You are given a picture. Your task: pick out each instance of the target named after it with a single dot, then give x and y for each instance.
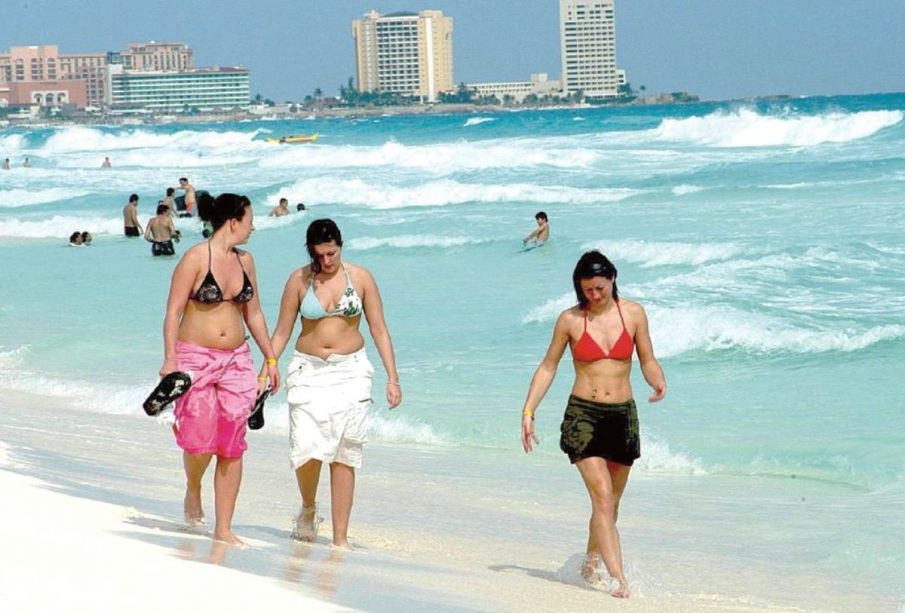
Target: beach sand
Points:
(91, 520)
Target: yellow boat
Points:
(297, 138)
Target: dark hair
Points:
(133, 198)
(171, 191)
(162, 208)
(75, 236)
(183, 179)
(86, 236)
(300, 206)
(321, 231)
(593, 264)
(217, 211)
(286, 200)
(540, 215)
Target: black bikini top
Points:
(209, 291)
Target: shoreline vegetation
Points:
(316, 107)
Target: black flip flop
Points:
(256, 419)
(171, 387)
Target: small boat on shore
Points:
(294, 138)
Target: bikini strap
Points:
(585, 319)
(620, 315)
(209, 255)
(236, 251)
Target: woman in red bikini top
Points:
(599, 431)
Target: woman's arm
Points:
(289, 309)
(650, 368)
(180, 288)
(257, 325)
(543, 378)
(373, 309)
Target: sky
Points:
(716, 49)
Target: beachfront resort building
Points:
(588, 46)
(404, 53)
(151, 76)
(516, 91)
(195, 89)
(41, 75)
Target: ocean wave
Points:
(60, 226)
(12, 357)
(80, 139)
(446, 191)
(678, 331)
(13, 198)
(659, 459)
(707, 329)
(649, 254)
(407, 241)
(402, 430)
(475, 121)
(747, 128)
(441, 158)
(684, 189)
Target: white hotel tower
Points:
(588, 40)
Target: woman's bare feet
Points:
(620, 590)
(194, 514)
(306, 525)
(226, 536)
(590, 569)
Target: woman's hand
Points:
(273, 372)
(659, 392)
(528, 434)
(169, 365)
(394, 394)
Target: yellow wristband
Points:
(262, 377)
(526, 412)
(271, 361)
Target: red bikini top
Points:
(587, 349)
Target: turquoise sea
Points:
(765, 239)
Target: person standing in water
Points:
(599, 431)
(539, 235)
(161, 232)
(328, 381)
(131, 226)
(213, 298)
(189, 196)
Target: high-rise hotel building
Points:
(404, 53)
(588, 41)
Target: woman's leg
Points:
(195, 465)
(604, 538)
(307, 475)
(227, 478)
(342, 489)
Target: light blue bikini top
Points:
(349, 304)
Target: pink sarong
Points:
(211, 417)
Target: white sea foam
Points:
(649, 254)
(12, 357)
(60, 226)
(446, 191)
(408, 241)
(402, 429)
(747, 128)
(682, 330)
(12, 198)
(440, 158)
(475, 121)
(684, 189)
(83, 139)
(659, 459)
